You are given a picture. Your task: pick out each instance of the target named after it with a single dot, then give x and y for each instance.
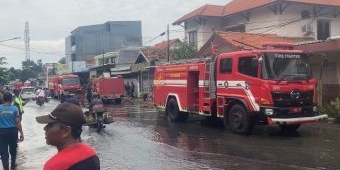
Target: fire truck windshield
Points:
(285, 66)
(70, 81)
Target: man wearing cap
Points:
(10, 124)
(63, 130)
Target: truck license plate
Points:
(294, 110)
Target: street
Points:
(142, 138)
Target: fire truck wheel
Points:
(239, 121)
(289, 128)
(173, 113)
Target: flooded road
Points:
(141, 138)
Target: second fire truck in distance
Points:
(273, 85)
(109, 88)
(63, 83)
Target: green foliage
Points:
(4, 76)
(332, 108)
(183, 51)
(62, 61)
(30, 69)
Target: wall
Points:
(205, 29)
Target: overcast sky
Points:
(51, 21)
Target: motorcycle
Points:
(97, 118)
(40, 101)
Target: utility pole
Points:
(103, 64)
(27, 42)
(168, 48)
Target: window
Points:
(225, 65)
(323, 29)
(193, 38)
(245, 66)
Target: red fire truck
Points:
(61, 83)
(17, 85)
(109, 88)
(273, 85)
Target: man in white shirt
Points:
(40, 93)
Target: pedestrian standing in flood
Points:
(89, 94)
(63, 130)
(10, 125)
(127, 89)
(18, 102)
(132, 90)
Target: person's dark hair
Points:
(7, 97)
(16, 91)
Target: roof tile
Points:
(206, 10)
(236, 6)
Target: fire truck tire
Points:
(173, 113)
(118, 101)
(239, 121)
(289, 128)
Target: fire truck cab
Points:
(273, 85)
(63, 83)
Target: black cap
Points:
(67, 113)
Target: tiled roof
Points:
(319, 2)
(236, 6)
(206, 10)
(159, 50)
(163, 45)
(249, 40)
(235, 41)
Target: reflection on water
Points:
(141, 138)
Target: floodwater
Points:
(141, 138)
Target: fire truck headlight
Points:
(269, 112)
(315, 108)
(264, 101)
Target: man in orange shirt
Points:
(63, 130)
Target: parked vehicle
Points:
(27, 93)
(273, 85)
(109, 88)
(63, 83)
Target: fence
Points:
(329, 92)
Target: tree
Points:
(30, 69)
(14, 74)
(62, 61)
(183, 51)
(4, 76)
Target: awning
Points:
(115, 73)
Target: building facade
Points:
(88, 41)
(316, 19)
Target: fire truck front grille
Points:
(296, 98)
(304, 113)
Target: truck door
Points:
(192, 91)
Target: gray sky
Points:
(51, 21)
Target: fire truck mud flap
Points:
(282, 121)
